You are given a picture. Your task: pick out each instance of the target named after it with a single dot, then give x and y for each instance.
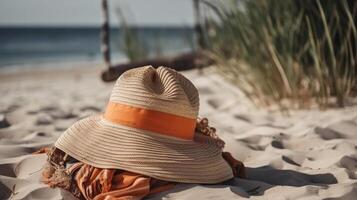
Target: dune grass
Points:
(130, 43)
(295, 50)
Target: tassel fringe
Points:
(207, 134)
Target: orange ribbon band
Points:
(151, 120)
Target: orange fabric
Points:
(150, 120)
(111, 184)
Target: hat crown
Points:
(161, 89)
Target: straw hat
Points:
(148, 128)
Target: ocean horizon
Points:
(32, 45)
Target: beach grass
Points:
(278, 51)
(130, 43)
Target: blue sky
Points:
(88, 13)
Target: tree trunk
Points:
(198, 28)
(105, 46)
(180, 62)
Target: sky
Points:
(88, 12)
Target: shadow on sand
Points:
(263, 178)
(280, 177)
(259, 180)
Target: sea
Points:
(35, 45)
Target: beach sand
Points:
(310, 154)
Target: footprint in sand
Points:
(44, 119)
(263, 121)
(204, 90)
(62, 125)
(349, 162)
(4, 123)
(214, 103)
(291, 160)
(90, 108)
(48, 108)
(63, 114)
(10, 108)
(346, 129)
(260, 143)
(327, 134)
(277, 144)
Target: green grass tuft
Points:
(130, 43)
(296, 50)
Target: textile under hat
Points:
(148, 128)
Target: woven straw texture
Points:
(101, 143)
(163, 90)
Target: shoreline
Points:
(47, 66)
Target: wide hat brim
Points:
(100, 143)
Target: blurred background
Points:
(51, 31)
(296, 50)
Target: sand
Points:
(310, 154)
